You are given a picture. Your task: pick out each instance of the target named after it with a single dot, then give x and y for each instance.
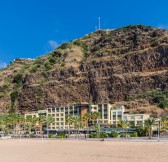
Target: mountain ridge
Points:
(104, 66)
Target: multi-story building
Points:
(104, 110)
(108, 115)
(61, 112)
(118, 113)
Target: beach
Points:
(36, 150)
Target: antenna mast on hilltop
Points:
(99, 23)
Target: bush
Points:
(134, 134)
(77, 42)
(64, 46)
(51, 136)
(17, 79)
(34, 68)
(61, 135)
(93, 135)
(48, 66)
(31, 135)
(52, 60)
(103, 135)
(141, 131)
(14, 96)
(38, 61)
(114, 134)
(56, 53)
(62, 64)
(159, 98)
(123, 135)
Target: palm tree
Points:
(148, 124)
(49, 121)
(19, 121)
(3, 123)
(69, 121)
(123, 124)
(41, 121)
(77, 123)
(13, 122)
(30, 123)
(96, 116)
(29, 126)
(86, 118)
(164, 123)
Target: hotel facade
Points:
(109, 115)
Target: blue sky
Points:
(30, 28)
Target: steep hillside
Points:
(105, 66)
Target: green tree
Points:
(69, 121)
(78, 123)
(124, 125)
(41, 121)
(49, 121)
(148, 124)
(86, 118)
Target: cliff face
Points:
(105, 66)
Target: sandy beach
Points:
(30, 150)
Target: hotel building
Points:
(109, 115)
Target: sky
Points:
(31, 28)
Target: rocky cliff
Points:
(105, 66)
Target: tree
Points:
(77, 123)
(123, 124)
(96, 116)
(148, 124)
(69, 121)
(49, 121)
(86, 118)
(13, 122)
(4, 123)
(41, 121)
(29, 126)
(164, 122)
(30, 123)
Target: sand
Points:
(30, 150)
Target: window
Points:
(132, 123)
(57, 109)
(139, 122)
(119, 115)
(125, 117)
(141, 117)
(114, 115)
(100, 108)
(132, 117)
(105, 116)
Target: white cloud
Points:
(52, 44)
(2, 64)
(163, 26)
